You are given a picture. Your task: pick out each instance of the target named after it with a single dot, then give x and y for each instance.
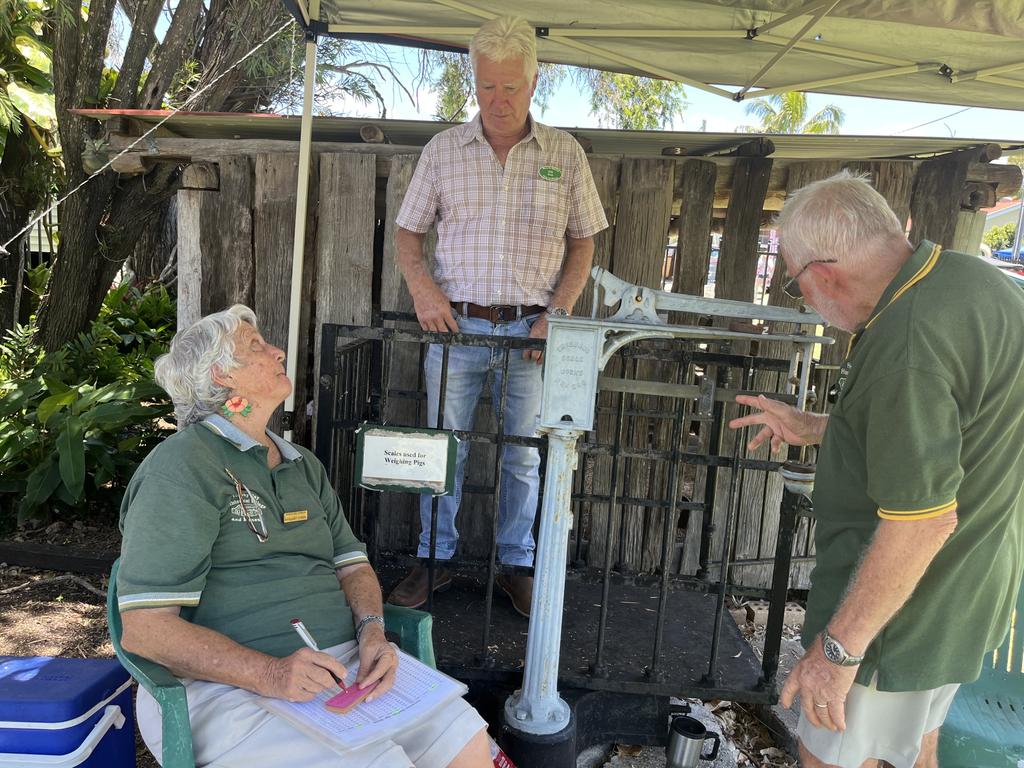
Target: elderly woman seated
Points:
(230, 532)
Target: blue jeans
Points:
(520, 478)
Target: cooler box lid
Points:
(44, 689)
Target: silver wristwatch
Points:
(835, 652)
(371, 618)
(557, 312)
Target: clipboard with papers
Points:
(418, 691)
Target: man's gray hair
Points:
(504, 38)
(186, 371)
(840, 217)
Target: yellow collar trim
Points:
(927, 267)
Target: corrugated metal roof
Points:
(604, 142)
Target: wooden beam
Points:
(737, 258)
(51, 557)
(693, 243)
(935, 202)
(200, 176)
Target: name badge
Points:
(296, 517)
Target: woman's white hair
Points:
(186, 371)
(504, 38)
(841, 217)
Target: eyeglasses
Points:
(243, 493)
(792, 286)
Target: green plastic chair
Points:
(413, 629)
(985, 725)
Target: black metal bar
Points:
(779, 589)
(432, 552)
(326, 401)
(723, 573)
(499, 448)
(597, 668)
(711, 478)
(668, 537)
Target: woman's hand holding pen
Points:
(377, 661)
(302, 675)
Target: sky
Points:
(569, 108)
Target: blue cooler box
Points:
(65, 712)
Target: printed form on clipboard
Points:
(418, 691)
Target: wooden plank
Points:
(936, 197)
(226, 239)
(693, 244)
(737, 256)
(344, 242)
(606, 179)
(399, 512)
(641, 233)
(276, 178)
(190, 263)
(52, 557)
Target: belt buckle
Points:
(499, 314)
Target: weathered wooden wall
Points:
(236, 219)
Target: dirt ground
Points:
(49, 613)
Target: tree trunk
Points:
(156, 247)
(18, 200)
(86, 267)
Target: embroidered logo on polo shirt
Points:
(254, 504)
(550, 173)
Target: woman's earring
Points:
(237, 405)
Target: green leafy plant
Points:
(1000, 237)
(75, 424)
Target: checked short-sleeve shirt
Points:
(501, 231)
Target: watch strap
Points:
(371, 618)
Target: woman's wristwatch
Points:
(371, 618)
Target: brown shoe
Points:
(411, 592)
(519, 589)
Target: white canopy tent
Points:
(967, 52)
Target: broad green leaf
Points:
(39, 486)
(72, 456)
(34, 52)
(54, 403)
(3, 141)
(55, 386)
(36, 105)
(16, 399)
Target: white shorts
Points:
(230, 730)
(880, 725)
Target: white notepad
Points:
(417, 692)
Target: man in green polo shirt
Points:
(918, 494)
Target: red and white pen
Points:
(307, 638)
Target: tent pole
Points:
(298, 243)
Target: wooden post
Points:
(344, 244)
(737, 257)
(215, 253)
(935, 203)
(273, 231)
(693, 244)
(641, 232)
(399, 512)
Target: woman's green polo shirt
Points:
(186, 540)
(929, 417)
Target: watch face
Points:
(832, 651)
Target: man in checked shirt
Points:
(516, 213)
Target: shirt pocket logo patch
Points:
(550, 173)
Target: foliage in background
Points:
(450, 75)
(1000, 237)
(26, 84)
(787, 113)
(75, 423)
(632, 103)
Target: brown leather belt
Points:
(497, 313)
